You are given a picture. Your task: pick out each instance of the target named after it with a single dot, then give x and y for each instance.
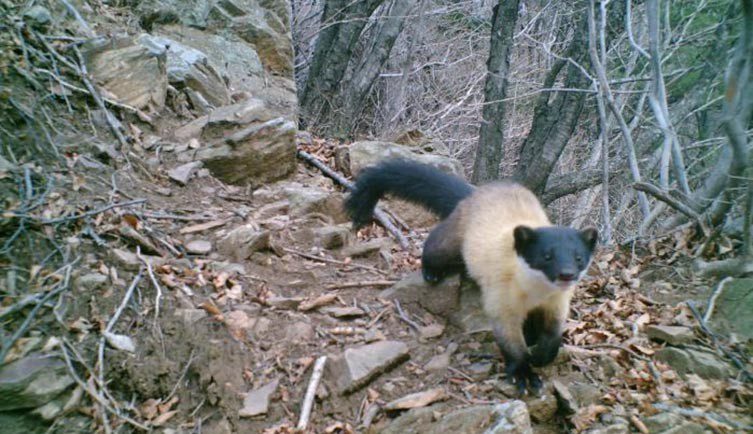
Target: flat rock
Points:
(190, 316)
(365, 248)
(416, 400)
(332, 237)
(90, 282)
(183, 173)
(256, 402)
(129, 71)
(510, 417)
(617, 428)
(289, 303)
(355, 367)
(199, 247)
(687, 361)
(299, 332)
(431, 331)
(673, 335)
(242, 241)
(565, 400)
(270, 41)
(306, 200)
(661, 422)
(359, 155)
(480, 370)
(441, 299)
(733, 307)
(32, 381)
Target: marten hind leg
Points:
(442, 255)
(509, 337)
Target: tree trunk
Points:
(342, 24)
(555, 118)
(353, 97)
(490, 148)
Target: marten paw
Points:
(524, 378)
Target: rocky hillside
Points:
(170, 265)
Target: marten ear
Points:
(589, 236)
(523, 237)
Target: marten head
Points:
(562, 254)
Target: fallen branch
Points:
(308, 400)
(379, 283)
(715, 340)
(663, 196)
(714, 296)
(379, 215)
(404, 317)
(724, 267)
(333, 261)
(79, 216)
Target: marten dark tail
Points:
(415, 182)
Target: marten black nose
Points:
(567, 277)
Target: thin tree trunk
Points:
(490, 148)
(354, 94)
(342, 24)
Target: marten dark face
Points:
(562, 254)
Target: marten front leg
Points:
(509, 337)
(442, 253)
(543, 332)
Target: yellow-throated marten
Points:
(500, 234)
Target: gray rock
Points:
(732, 312)
(182, 174)
(256, 401)
(242, 241)
(507, 418)
(355, 367)
(271, 42)
(367, 153)
(343, 312)
(190, 316)
(365, 248)
(300, 332)
(440, 362)
(687, 361)
(441, 299)
(565, 400)
(305, 200)
(7, 166)
(199, 247)
(480, 370)
(661, 422)
(129, 71)
(618, 428)
(32, 381)
(673, 335)
(190, 68)
(585, 394)
(191, 13)
(289, 303)
(90, 282)
(688, 428)
(542, 408)
(38, 16)
(332, 237)
(416, 400)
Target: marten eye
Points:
(579, 259)
(547, 256)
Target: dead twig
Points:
(333, 261)
(79, 216)
(715, 340)
(182, 376)
(404, 317)
(344, 285)
(379, 215)
(714, 296)
(156, 284)
(663, 196)
(308, 400)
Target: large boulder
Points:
(509, 417)
(733, 307)
(189, 68)
(358, 155)
(128, 71)
(32, 381)
(249, 143)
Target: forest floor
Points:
(241, 295)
